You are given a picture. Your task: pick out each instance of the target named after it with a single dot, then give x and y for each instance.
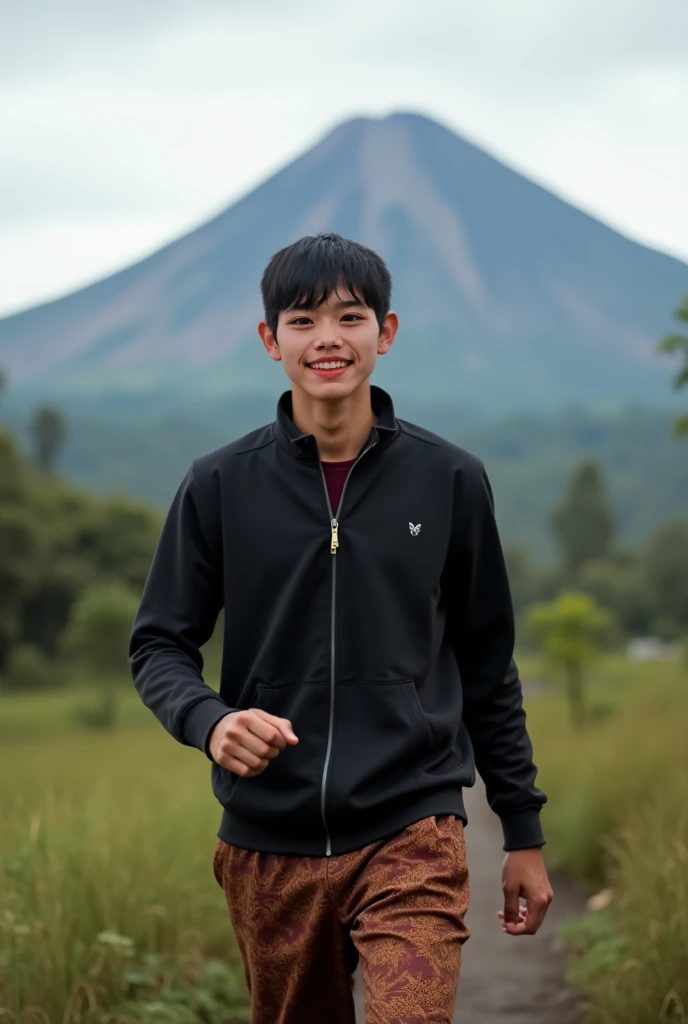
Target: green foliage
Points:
(56, 541)
(570, 627)
(583, 523)
(597, 947)
(27, 668)
(620, 585)
(48, 430)
(100, 626)
(529, 456)
(87, 541)
(677, 345)
(666, 573)
(570, 630)
(522, 576)
(218, 994)
(19, 542)
(646, 589)
(98, 635)
(632, 959)
(106, 871)
(617, 819)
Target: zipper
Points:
(334, 545)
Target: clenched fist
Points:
(246, 741)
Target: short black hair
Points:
(303, 274)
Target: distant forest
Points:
(528, 457)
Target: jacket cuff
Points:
(201, 720)
(522, 830)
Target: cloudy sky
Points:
(125, 124)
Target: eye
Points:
(299, 321)
(354, 315)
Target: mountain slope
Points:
(505, 292)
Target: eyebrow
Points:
(342, 304)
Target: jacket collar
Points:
(304, 446)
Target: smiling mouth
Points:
(329, 365)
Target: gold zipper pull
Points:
(335, 537)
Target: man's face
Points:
(330, 350)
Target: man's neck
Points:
(341, 428)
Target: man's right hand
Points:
(246, 741)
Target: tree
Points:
(666, 578)
(119, 539)
(570, 630)
(621, 586)
(98, 635)
(86, 539)
(584, 524)
(677, 344)
(19, 541)
(48, 430)
(521, 575)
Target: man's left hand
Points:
(524, 875)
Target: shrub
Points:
(98, 635)
(28, 668)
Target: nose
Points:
(328, 334)
(328, 340)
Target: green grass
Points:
(106, 871)
(617, 817)
(109, 910)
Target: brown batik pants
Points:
(302, 924)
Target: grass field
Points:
(109, 910)
(108, 903)
(617, 818)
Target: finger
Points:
(515, 929)
(537, 908)
(239, 767)
(249, 757)
(239, 742)
(233, 755)
(511, 904)
(257, 744)
(282, 725)
(265, 726)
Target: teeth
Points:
(328, 366)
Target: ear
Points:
(269, 340)
(388, 333)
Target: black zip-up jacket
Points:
(383, 630)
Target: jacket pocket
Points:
(290, 785)
(381, 734)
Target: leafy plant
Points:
(98, 634)
(28, 668)
(48, 430)
(570, 629)
(677, 344)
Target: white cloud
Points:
(124, 125)
(68, 254)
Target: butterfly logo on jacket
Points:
(415, 530)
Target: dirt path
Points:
(505, 980)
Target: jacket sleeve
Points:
(181, 601)
(481, 621)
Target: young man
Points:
(367, 669)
